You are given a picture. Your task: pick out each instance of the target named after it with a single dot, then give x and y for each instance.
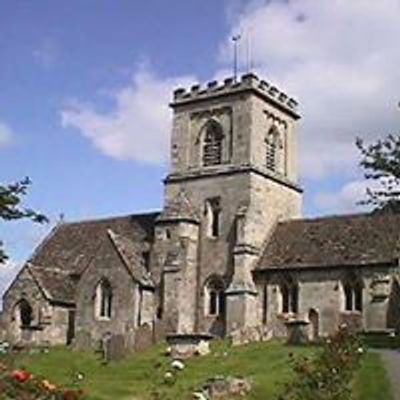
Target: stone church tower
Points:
(233, 176)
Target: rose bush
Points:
(328, 375)
(22, 385)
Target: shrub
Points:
(22, 385)
(328, 375)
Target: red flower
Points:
(20, 375)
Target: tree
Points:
(381, 163)
(11, 208)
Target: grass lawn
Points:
(372, 381)
(135, 378)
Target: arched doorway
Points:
(313, 317)
(23, 319)
(24, 314)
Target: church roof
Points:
(71, 246)
(69, 249)
(353, 240)
(56, 284)
(132, 255)
(179, 208)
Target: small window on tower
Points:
(213, 211)
(212, 145)
(272, 143)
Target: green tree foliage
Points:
(381, 163)
(11, 207)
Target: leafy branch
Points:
(11, 196)
(381, 163)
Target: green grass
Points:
(266, 364)
(372, 381)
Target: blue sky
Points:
(85, 86)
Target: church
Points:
(228, 252)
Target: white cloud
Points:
(340, 58)
(138, 128)
(5, 134)
(346, 200)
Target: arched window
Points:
(289, 296)
(214, 297)
(353, 294)
(103, 301)
(25, 313)
(212, 144)
(271, 149)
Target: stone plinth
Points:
(188, 345)
(297, 331)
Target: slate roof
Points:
(69, 249)
(179, 208)
(353, 240)
(132, 254)
(56, 284)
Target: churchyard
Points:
(152, 374)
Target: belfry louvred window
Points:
(212, 145)
(271, 149)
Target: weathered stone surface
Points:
(222, 387)
(250, 334)
(189, 345)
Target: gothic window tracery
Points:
(290, 296)
(353, 294)
(214, 297)
(103, 300)
(212, 144)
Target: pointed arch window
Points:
(103, 301)
(353, 294)
(214, 297)
(289, 296)
(212, 144)
(272, 145)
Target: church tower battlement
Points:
(234, 157)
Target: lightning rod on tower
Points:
(235, 40)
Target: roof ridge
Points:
(111, 218)
(340, 217)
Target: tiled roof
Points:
(56, 284)
(352, 240)
(132, 254)
(69, 249)
(179, 207)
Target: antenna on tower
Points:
(249, 61)
(235, 40)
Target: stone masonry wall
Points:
(125, 313)
(49, 323)
(322, 290)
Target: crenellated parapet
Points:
(231, 86)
